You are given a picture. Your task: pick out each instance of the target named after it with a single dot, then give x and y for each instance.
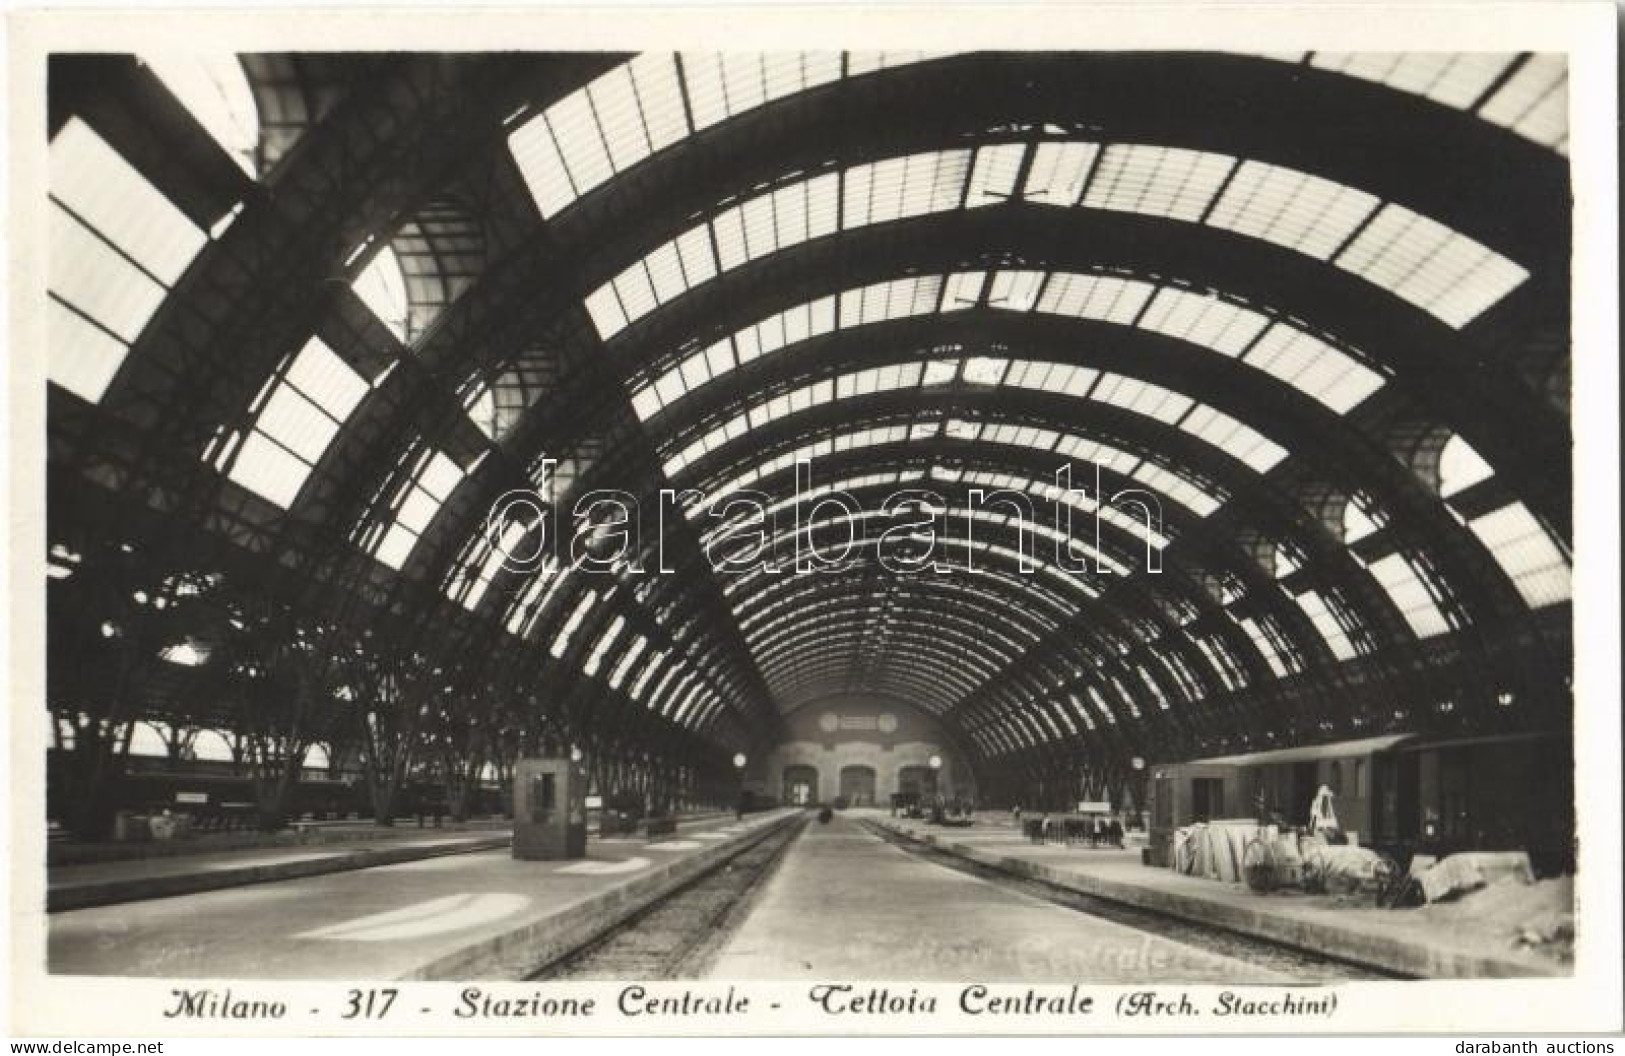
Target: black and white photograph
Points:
(797, 534)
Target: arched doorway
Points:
(800, 785)
(917, 784)
(858, 785)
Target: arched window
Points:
(149, 738)
(211, 746)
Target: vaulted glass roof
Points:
(364, 361)
(1435, 268)
(1129, 394)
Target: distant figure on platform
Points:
(741, 806)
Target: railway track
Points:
(1289, 960)
(680, 936)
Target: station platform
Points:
(130, 880)
(845, 904)
(441, 915)
(164, 869)
(1437, 941)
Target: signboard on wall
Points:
(1095, 806)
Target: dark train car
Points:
(1401, 793)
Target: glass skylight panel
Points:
(1460, 467)
(1265, 644)
(899, 188)
(214, 90)
(1085, 450)
(1526, 552)
(940, 372)
(1534, 102)
(1103, 709)
(97, 282)
(657, 661)
(580, 142)
(984, 370)
(665, 272)
(83, 357)
(1015, 291)
(770, 222)
(884, 301)
(1314, 367)
(636, 289)
(993, 175)
(561, 641)
(695, 371)
(605, 309)
(1058, 172)
(1440, 271)
(111, 198)
(489, 561)
(613, 123)
(1061, 378)
(305, 408)
(628, 658)
(1337, 638)
(1184, 676)
(1410, 595)
(382, 288)
(620, 121)
(1157, 181)
(115, 246)
(416, 505)
(268, 469)
(1203, 320)
(1358, 522)
(1456, 80)
(1305, 213)
(1125, 696)
(595, 656)
(1141, 397)
(1176, 488)
(1152, 687)
(1221, 660)
(962, 290)
(326, 380)
(1236, 439)
(1095, 297)
(785, 73)
(533, 598)
(541, 166)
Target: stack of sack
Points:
(1470, 871)
(1214, 850)
(1342, 869)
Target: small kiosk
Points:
(549, 810)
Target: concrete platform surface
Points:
(463, 915)
(104, 883)
(1406, 942)
(110, 883)
(844, 904)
